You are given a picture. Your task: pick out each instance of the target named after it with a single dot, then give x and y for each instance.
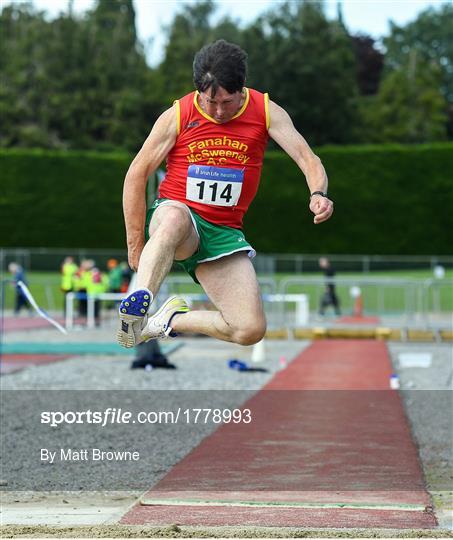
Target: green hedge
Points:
(388, 199)
(61, 199)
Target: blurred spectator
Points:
(81, 280)
(126, 273)
(96, 283)
(115, 275)
(68, 272)
(20, 300)
(329, 298)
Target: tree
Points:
(308, 66)
(75, 82)
(409, 107)
(370, 62)
(23, 93)
(118, 74)
(430, 35)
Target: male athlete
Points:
(214, 141)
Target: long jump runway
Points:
(328, 446)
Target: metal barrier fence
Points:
(300, 317)
(50, 259)
(427, 303)
(303, 263)
(417, 301)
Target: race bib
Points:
(214, 185)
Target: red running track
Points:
(19, 324)
(329, 446)
(10, 363)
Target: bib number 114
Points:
(214, 185)
(214, 188)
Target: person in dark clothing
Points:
(150, 356)
(18, 275)
(329, 298)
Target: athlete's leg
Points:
(336, 303)
(172, 236)
(326, 301)
(231, 284)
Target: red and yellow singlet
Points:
(215, 168)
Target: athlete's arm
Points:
(282, 130)
(154, 150)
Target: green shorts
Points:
(216, 241)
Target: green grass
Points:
(385, 298)
(45, 287)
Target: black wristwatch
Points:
(318, 193)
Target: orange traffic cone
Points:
(358, 306)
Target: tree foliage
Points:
(430, 37)
(307, 64)
(409, 106)
(369, 62)
(73, 83)
(83, 82)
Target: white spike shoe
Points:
(159, 325)
(133, 313)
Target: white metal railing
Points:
(421, 299)
(91, 299)
(425, 302)
(300, 301)
(50, 259)
(176, 284)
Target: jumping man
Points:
(214, 141)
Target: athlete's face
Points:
(223, 106)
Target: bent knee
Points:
(250, 334)
(172, 221)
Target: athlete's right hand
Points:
(133, 254)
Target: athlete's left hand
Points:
(322, 208)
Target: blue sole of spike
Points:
(136, 304)
(132, 309)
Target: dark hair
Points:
(220, 64)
